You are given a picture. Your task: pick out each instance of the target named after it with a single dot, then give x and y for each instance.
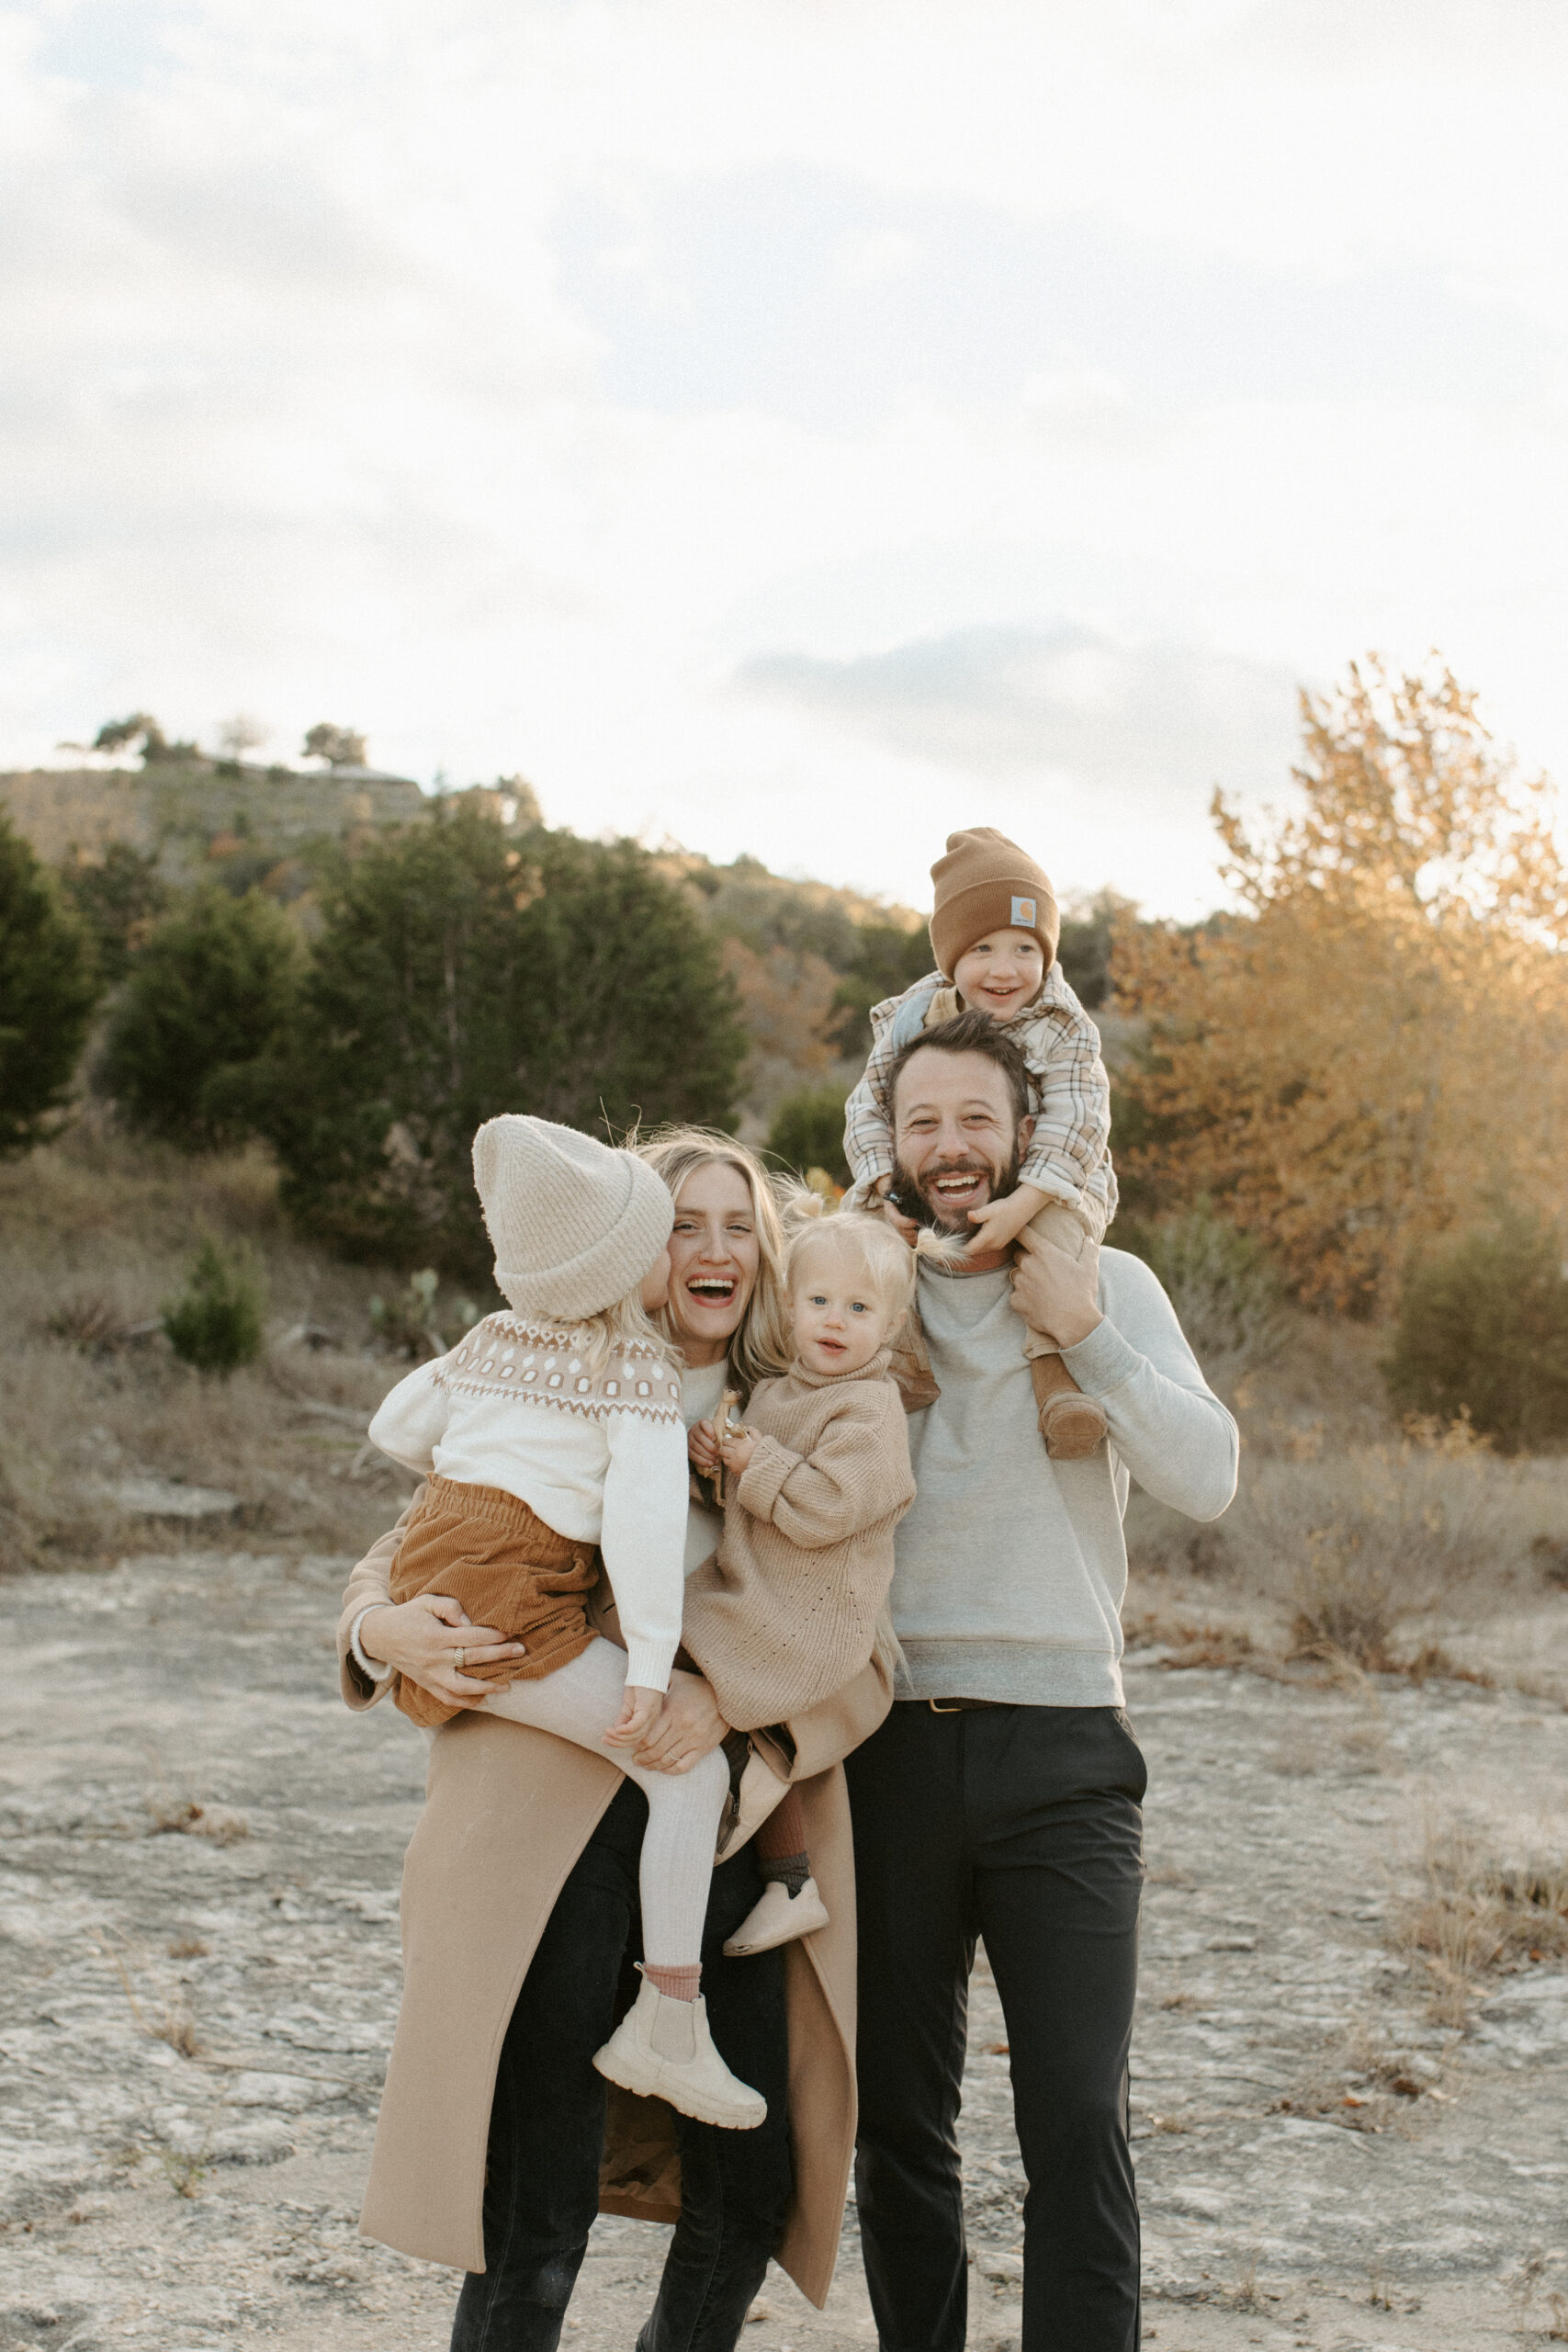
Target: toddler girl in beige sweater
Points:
(794, 1599)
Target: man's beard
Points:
(908, 1196)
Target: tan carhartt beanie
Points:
(986, 882)
(575, 1224)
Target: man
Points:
(1002, 1797)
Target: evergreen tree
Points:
(119, 899)
(807, 1132)
(208, 996)
(457, 975)
(47, 987)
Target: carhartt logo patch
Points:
(1023, 915)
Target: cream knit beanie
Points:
(987, 883)
(575, 1224)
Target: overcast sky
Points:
(798, 427)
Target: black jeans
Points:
(546, 2127)
(1022, 1824)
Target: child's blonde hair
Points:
(889, 1263)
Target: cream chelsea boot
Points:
(777, 1918)
(662, 2049)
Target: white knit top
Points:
(601, 1456)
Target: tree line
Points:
(452, 974)
(1361, 1069)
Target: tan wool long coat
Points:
(508, 1810)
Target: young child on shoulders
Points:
(994, 933)
(551, 1434)
(795, 1601)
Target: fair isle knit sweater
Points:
(786, 1614)
(600, 1454)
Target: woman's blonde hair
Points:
(889, 1263)
(761, 1347)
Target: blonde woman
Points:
(495, 2146)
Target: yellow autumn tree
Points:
(1375, 1050)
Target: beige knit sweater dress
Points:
(786, 1612)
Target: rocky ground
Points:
(198, 1977)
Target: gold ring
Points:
(459, 1655)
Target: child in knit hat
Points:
(794, 1602)
(994, 931)
(549, 1435)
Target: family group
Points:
(762, 1599)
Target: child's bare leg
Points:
(1071, 1423)
(580, 1703)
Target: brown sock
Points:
(675, 1984)
(780, 1843)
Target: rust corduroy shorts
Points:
(483, 1547)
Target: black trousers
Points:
(546, 2126)
(1022, 1824)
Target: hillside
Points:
(807, 959)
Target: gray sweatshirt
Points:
(1010, 1568)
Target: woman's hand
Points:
(689, 1728)
(429, 1639)
(701, 1447)
(1057, 1295)
(738, 1446)
(640, 1710)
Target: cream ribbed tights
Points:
(580, 1703)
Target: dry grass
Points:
(1187, 1645)
(215, 1823)
(97, 1233)
(1476, 1915)
(1353, 1545)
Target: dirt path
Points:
(193, 2008)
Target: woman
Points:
(494, 2149)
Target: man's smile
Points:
(959, 1188)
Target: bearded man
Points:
(1002, 1797)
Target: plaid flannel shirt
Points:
(1069, 1094)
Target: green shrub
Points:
(216, 1324)
(456, 976)
(208, 996)
(1483, 1331)
(49, 985)
(809, 1132)
(1228, 1297)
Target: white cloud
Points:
(1134, 723)
(507, 380)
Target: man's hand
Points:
(904, 1226)
(429, 1639)
(689, 1728)
(736, 1446)
(640, 1710)
(1000, 1222)
(701, 1447)
(1057, 1295)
